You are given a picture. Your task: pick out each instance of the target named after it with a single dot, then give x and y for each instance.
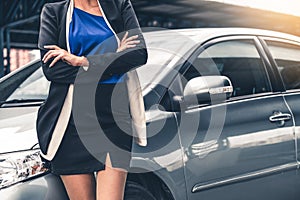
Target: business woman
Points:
(73, 42)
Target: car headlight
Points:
(19, 166)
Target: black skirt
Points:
(85, 144)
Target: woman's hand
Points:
(128, 42)
(60, 54)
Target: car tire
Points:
(135, 191)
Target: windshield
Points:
(36, 86)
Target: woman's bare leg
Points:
(111, 182)
(80, 187)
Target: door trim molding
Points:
(244, 177)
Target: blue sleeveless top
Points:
(90, 35)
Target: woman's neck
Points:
(86, 4)
(90, 6)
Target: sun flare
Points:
(291, 7)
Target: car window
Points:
(35, 86)
(239, 60)
(287, 58)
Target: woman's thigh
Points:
(111, 182)
(80, 186)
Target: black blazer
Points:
(121, 17)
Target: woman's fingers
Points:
(128, 42)
(53, 47)
(57, 54)
(134, 42)
(47, 56)
(130, 46)
(131, 38)
(125, 39)
(50, 54)
(125, 36)
(55, 60)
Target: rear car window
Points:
(287, 58)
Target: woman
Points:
(77, 38)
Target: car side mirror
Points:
(207, 90)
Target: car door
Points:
(286, 59)
(239, 148)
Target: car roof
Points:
(201, 35)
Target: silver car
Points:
(223, 120)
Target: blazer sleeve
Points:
(61, 72)
(124, 61)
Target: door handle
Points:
(280, 118)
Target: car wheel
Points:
(135, 191)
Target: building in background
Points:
(20, 57)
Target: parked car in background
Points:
(223, 120)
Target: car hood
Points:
(17, 128)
